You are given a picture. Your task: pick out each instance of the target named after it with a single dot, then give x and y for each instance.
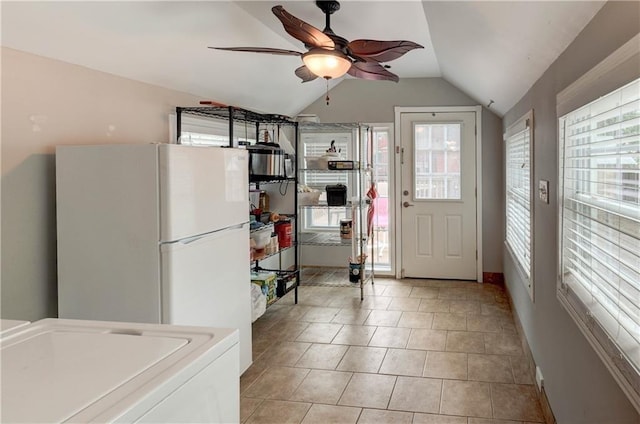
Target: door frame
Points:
(398, 110)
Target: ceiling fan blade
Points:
(260, 50)
(299, 29)
(382, 51)
(371, 71)
(305, 74)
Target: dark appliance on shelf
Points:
(336, 195)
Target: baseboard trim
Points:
(547, 412)
(493, 278)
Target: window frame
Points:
(524, 267)
(615, 72)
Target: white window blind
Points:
(518, 195)
(210, 132)
(599, 277)
(315, 145)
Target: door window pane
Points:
(436, 161)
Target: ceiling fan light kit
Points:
(331, 56)
(326, 63)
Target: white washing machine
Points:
(58, 370)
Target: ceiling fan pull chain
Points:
(327, 98)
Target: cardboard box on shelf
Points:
(267, 282)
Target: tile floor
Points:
(414, 351)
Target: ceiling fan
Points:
(330, 56)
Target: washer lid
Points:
(9, 325)
(55, 374)
(57, 370)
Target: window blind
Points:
(212, 132)
(518, 195)
(600, 227)
(315, 145)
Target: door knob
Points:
(406, 204)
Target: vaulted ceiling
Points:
(493, 51)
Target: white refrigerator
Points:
(155, 233)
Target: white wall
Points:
(48, 103)
(579, 387)
(374, 101)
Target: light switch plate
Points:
(543, 190)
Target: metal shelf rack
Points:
(232, 115)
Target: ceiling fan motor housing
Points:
(328, 7)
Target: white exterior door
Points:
(438, 195)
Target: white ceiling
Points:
(490, 50)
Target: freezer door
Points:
(202, 189)
(205, 282)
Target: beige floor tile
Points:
(416, 394)
(318, 314)
(485, 295)
(522, 373)
(398, 291)
(362, 359)
(427, 339)
(375, 302)
(403, 362)
(416, 319)
(358, 335)
(346, 302)
(368, 390)
(285, 353)
(438, 419)
(425, 292)
(322, 387)
(503, 344)
(491, 368)
(378, 416)
(451, 365)
(260, 344)
(289, 312)
(496, 309)
(390, 337)
(336, 315)
(488, 421)
(434, 305)
(319, 333)
(383, 318)
(248, 406)
(328, 414)
(453, 293)
(516, 402)
(465, 341)
(465, 307)
(351, 316)
(487, 324)
(322, 356)
(375, 289)
(249, 377)
(449, 321)
(276, 383)
(288, 330)
(508, 326)
(404, 304)
(466, 398)
(280, 412)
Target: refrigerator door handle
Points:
(193, 239)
